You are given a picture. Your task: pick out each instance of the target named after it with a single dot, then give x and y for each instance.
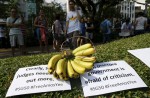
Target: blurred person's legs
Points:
(74, 39)
(3, 42)
(38, 36)
(70, 35)
(25, 44)
(13, 39)
(78, 41)
(46, 45)
(90, 37)
(87, 36)
(20, 40)
(56, 42)
(104, 38)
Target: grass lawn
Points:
(116, 50)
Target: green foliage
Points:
(148, 12)
(51, 11)
(116, 50)
(92, 8)
(5, 6)
(148, 1)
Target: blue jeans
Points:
(106, 38)
(38, 35)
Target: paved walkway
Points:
(5, 53)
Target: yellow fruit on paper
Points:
(59, 66)
(87, 59)
(79, 69)
(76, 75)
(87, 65)
(85, 52)
(70, 69)
(50, 71)
(55, 75)
(52, 62)
(82, 47)
(65, 69)
(70, 64)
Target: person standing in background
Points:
(106, 29)
(14, 23)
(41, 24)
(126, 28)
(140, 24)
(89, 28)
(57, 30)
(73, 24)
(82, 32)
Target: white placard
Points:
(35, 80)
(142, 54)
(110, 77)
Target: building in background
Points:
(27, 7)
(128, 9)
(138, 9)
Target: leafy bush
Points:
(116, 50)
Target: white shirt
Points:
(74, 23)
(14, 30)
(140, 23)
(58, 27)
(126, 28)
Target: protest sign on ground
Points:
(110, 77)
(35, 79)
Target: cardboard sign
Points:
(110, 77)
(35, 80)
(142, 54)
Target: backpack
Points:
(104, 27)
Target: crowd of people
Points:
(77, 29)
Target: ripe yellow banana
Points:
(59, 66)
(82, 47)
(61, 77)
(52, 62)
(85, 52)
(76, 75)
(70, 69)
(87, 65)
(66, 78)
(50, 71)
(55, 75)
(85, 58)
(79, 69)
(65, 69)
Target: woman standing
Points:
(126, 28)
(41, 24)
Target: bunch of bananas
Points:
(72, 64)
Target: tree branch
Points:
(140, 2)
(93, 6)
(78, 2)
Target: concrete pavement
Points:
(6, 53)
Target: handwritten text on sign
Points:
(35, 80)
(110, 77)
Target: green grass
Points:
(116, 50)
